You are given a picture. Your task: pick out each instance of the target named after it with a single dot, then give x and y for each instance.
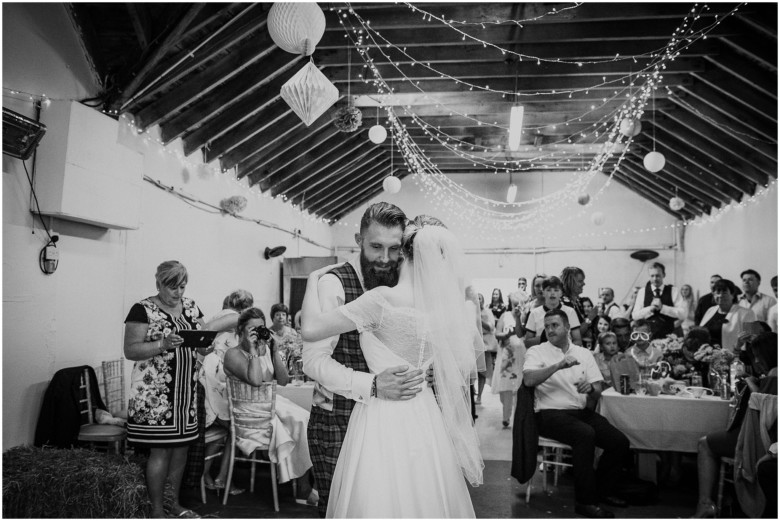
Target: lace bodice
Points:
(393, 326)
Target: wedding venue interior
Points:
(607, 144)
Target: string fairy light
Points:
(551, 12)
(501, 216)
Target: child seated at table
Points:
(607, 348)
(642, 351)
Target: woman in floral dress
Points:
(162, 409)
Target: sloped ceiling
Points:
(210, 75)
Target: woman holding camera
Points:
(254, 361)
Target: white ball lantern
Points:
(377, 134)
(597, 218)
(296, 27)
(654, 161)
(630, 127)
(583, 199)
(676, 204)
(391, 185)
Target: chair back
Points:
(113, 372)
(252, 410)
(85, 398)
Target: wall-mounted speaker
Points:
(20, 134)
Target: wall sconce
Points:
(274, 252)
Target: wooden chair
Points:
(90, 431)
(214, 434)
(725, 464)
(552, 454)
(252, 410)
(113, 372)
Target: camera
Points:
(263, 333)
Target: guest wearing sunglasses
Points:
(641, 350)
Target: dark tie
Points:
(657, 292)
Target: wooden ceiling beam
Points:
(361, 198)
(344, 194)
(252, 24)
(157, 55)
(765, 124)
(691, 183)
(267, 118)
(760, 24)
(747, 97)
(140, 19)
(349, 177)
(204, 82)
(341, 175)
(238, 99)
(743, 160)
(662, 186)
(754, 48)
(757, 78)
(280, 163)
(690, 158)
(352, 149)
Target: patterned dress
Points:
(162, 406)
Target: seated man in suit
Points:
(568, 385)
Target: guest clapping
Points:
(162, 408)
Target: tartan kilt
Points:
(326, 432)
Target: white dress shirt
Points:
(559, 391)
(677, 311)
(318, 362)
(735, 320)
(759, 304)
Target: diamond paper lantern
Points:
(309, 93)
(296, 27)
(391, 185)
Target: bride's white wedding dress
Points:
(397, 460)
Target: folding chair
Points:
(252, 410)
(552, 454)
(90, 431)
(113, 372)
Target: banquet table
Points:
(300, 394)
(663, 422)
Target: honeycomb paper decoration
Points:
(309, 93)
(296, 27)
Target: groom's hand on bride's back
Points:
(399, 383)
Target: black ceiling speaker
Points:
(274, 252)
(644, 255)
(20, 134)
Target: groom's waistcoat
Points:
(347, 351)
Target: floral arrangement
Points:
(348, 119)
(718, 359)
(291, 349)
(233, 205)
(673, 354)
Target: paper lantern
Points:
(309, 93)
(654, 161)
(630, 127)
(377, 134)
(676, 204)
(597, 218)
(391, 185)
(583, 199)
(296, 27)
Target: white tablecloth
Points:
(299, 394)
(664, 423)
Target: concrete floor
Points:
(500, 497)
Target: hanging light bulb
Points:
(511, 193)
(515, 127)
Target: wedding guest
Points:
(497, 306)
(607, 348)
(162, 407)
(491, 348)
(608, 305)
(255, 361)
(772, 314)
(725, 320)
(713, 446)
(287, 340)
(534, 327)
(520, 295)
(642, 351)
(706, 301)
(658, 303)
(573, 280)
(753, 299)
(682, 325)
(536, 300)
(622, 329)
(507, 373)
(600, 325)
(586, 327)
(212, 376)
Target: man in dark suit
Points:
(706, 301)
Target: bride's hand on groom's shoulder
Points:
(316, 274)
(399, 383)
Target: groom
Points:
(337, 364)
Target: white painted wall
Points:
(76, 315)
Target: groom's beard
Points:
(373, 278)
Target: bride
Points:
(407, 459)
